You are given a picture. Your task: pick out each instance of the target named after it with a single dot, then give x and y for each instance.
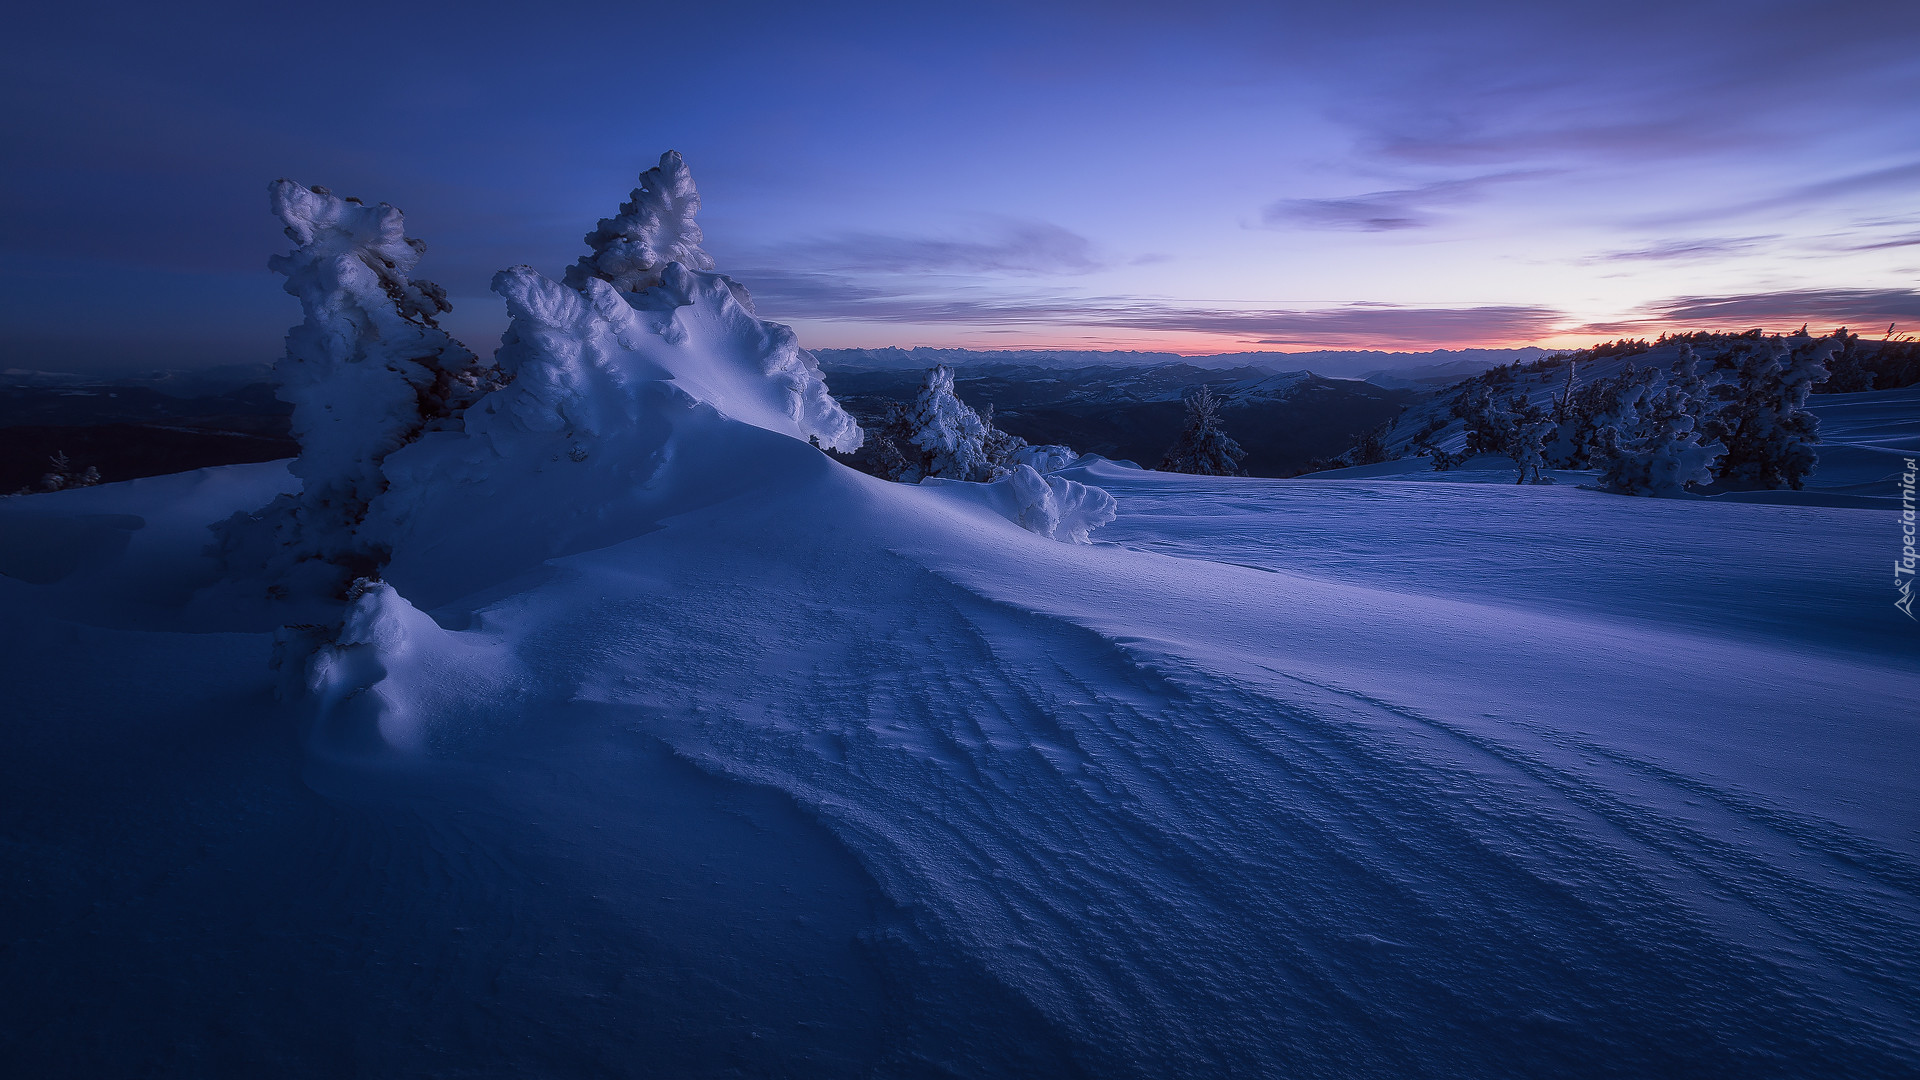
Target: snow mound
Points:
(380, 681)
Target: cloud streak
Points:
(838, 298)
(1775, 311)
(1018, 247)
(1384, 211)
(1681, 250)
(1349, 325)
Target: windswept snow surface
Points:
(1285, 778)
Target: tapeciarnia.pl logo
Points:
(1903, 566)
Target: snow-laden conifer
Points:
(367, 371)
(1526, 426)
(654, 227)
(1764, 423)
(1204, 447)
(1652, 446)
(939, 435)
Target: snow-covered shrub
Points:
(368, 371)
(1204, 447)
(1648, 440)
(1667, 457)
(1763, 422)
(1485, 421)
(1847, 369)
(1371, 449)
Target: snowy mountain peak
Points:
(655, 227)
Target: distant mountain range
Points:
(1357, 364)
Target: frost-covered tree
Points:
(1847, 370)
(367, 371)
(1763, 422)
(1512, 426)
(950, 435)
(1204, 447)
(937, 434)
(1649, 437)
(1485, 426)
(654, 227)
(1526, 427)
(1665, 457)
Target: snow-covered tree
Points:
(1512, 426)
(1485, 426)
(937, 434)
(1526, 427)
(1204, 447)
(950, 436)
(1662, 454)
(655, 227)
(368, 371)
(1764, 423)
(63, 475)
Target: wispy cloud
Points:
(1015, 247)
(1383, 211)
(1777, 307)
(840, 298)
(1680, 250)
(1909, 240)
(1894, 179)
(1772, 310)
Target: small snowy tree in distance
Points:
(1204, 447)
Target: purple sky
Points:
(1220, 178)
